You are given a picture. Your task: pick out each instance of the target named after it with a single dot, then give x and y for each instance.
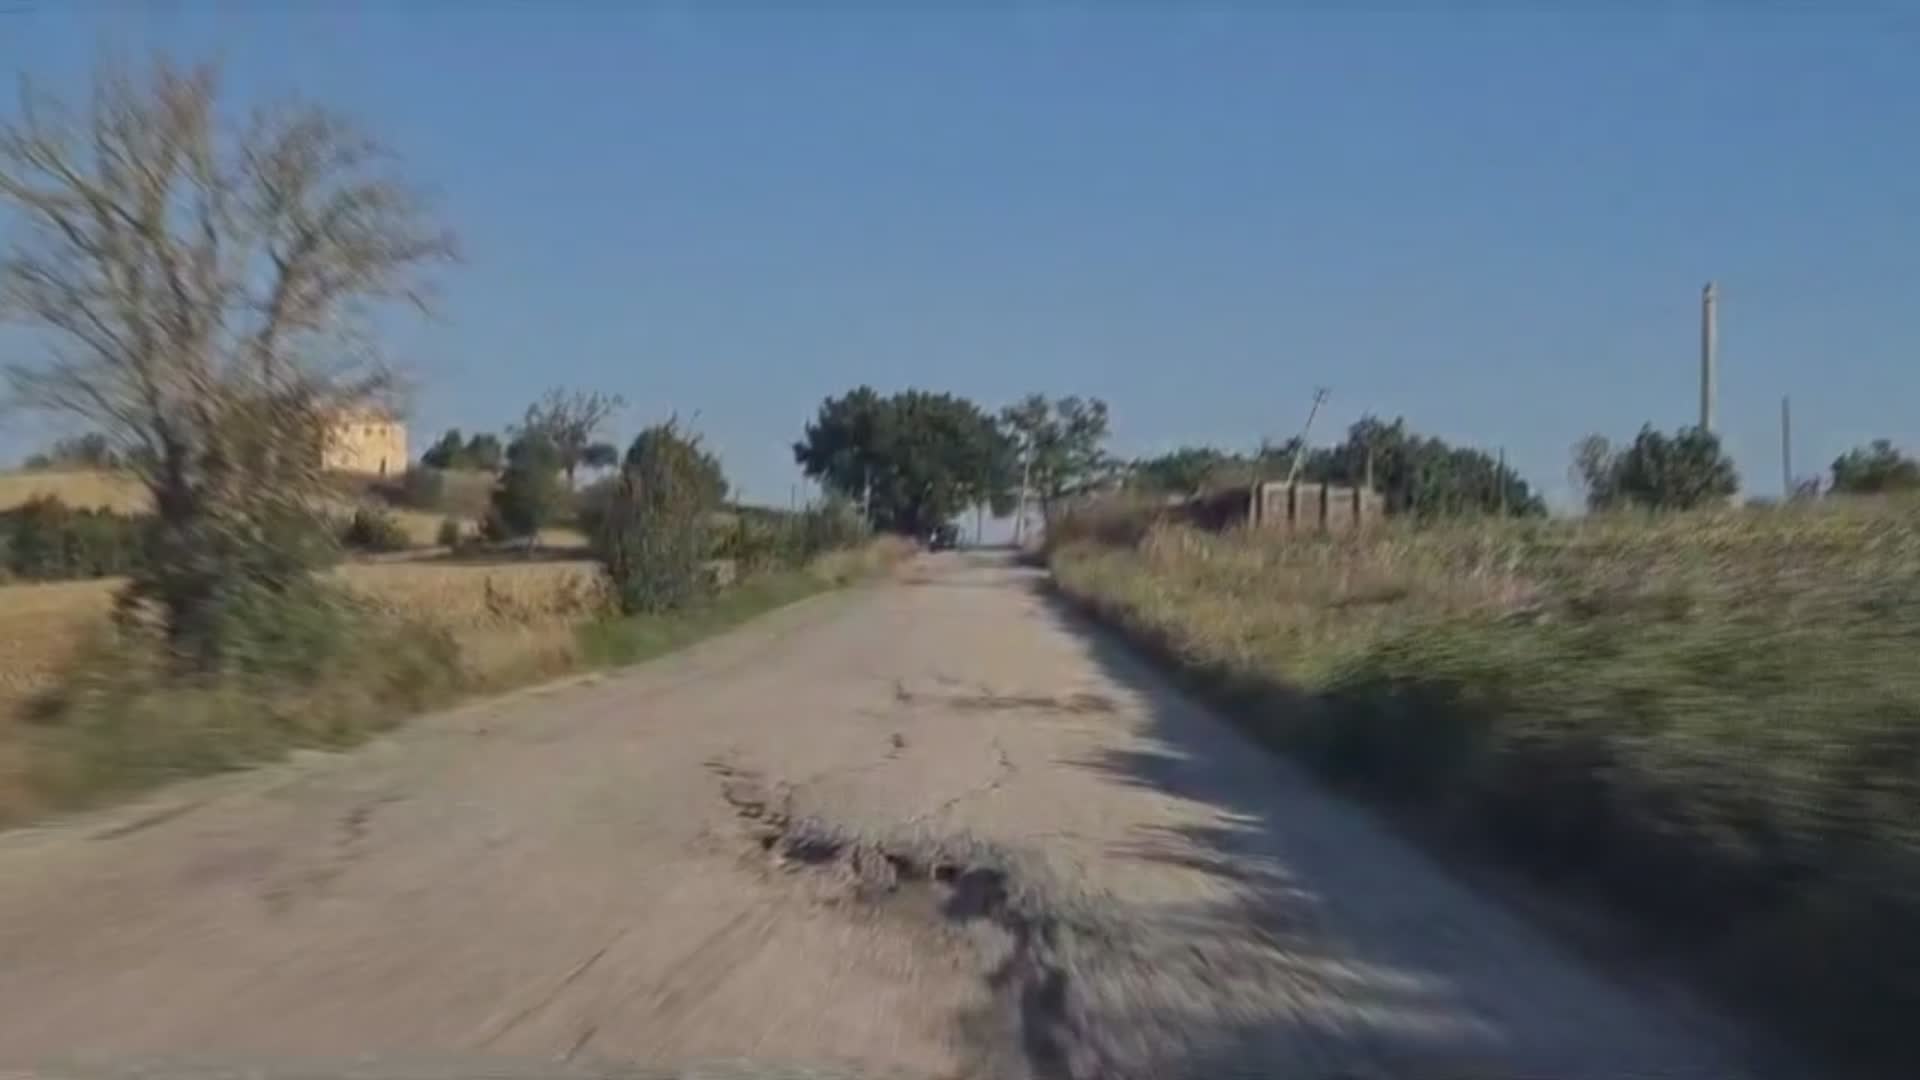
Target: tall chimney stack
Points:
(1709, 352)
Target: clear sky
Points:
(1495, 223)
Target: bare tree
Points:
(198, 291)
(570, 421)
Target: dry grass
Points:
(40, 624)
(452, 629)
(1710, 720)
(81, 488)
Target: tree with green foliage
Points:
(569, 423)
(1876, 469)
(480, 452)
(1682, 471)
(192, 285)
(1416, 474)
(652, 538)
(529, 494)
(1061, 445)
(483, 452)
(446, 451)
(1188, 470)
(913, 460)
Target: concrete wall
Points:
(1300, 508)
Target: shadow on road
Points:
(1340, 951)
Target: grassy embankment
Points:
(1711, 721)
(84, 717)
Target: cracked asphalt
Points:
(573, 875)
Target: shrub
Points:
(832, 525)
(451, 534)
(43, 539)
(652, 539)
(759, 540)
(530, 493)
(373, 530)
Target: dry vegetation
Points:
(437, 630)
(39, 624)
(86, 488)
(1710, 720)
(80, 488)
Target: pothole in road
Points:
(951, 882)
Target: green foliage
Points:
(1421, 475)
(43, 539)
(641, 636)
(1683, 471)
(758, 540)
(529, 494)
(481, 452)
(1416, 475)
(446, 452)
(202, 570)
(1060, 445)
(568, 422)
(1710, 719)
(652, 539)
(915, 459)
(695, 465)
(451, 533)
(1187, 471)
(371, 529)
(1877, 469)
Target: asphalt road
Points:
(933, 828)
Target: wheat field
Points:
(86, 488)
(40, 623)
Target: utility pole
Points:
(1786, 447)
(1709, 352)
(1500, 479)
(1026, 478)
(1299, 452)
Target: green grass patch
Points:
(634, 638)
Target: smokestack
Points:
(1786, 448)
(1709, 352)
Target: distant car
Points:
(944, 538)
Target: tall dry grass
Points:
(1711, 720)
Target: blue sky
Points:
(1493, 222)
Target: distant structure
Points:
(1709, 352)
(369, 442)
(1297, 508)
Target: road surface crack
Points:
(572, 976)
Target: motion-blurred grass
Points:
(1713, 720)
